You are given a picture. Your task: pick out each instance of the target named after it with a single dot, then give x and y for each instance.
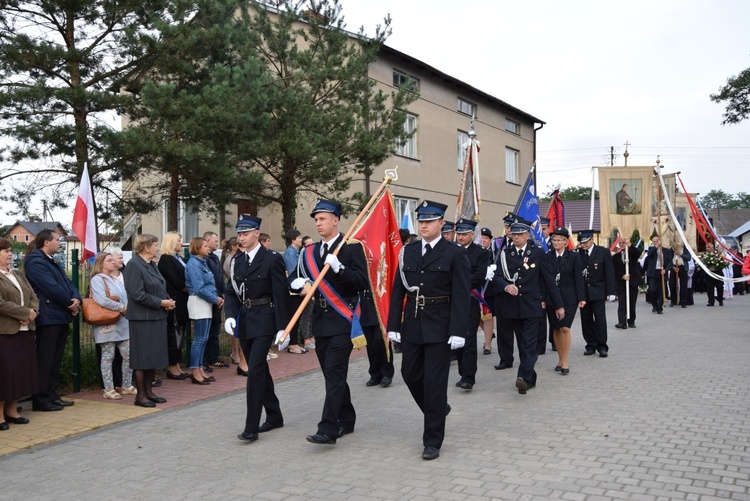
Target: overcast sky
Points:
(599, 73)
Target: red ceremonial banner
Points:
(381, 241)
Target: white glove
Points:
(334, 262)
(297, 284)
(229, 326)
(278, 342)
(611, 299)
(490, 272)
(394, 336)
(456, 342)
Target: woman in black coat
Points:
(569, 277)
(172, 268)
(148, 304)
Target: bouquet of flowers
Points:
(715, 260)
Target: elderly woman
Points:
(568, 270)
(18, 308)
(172, 268)
(109, 293)
(148, 304)
(203, 295)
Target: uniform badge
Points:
(596, 266)
(533, 265)
(424, 204)
(526, 266)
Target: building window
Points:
(512, 126)
(406, 206)
(511, 166)
(462, 140)
(26, 237)
(400, 79)
(408, 148)
(467, 108)
(187, 221)
(15, 238)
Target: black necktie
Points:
(427, 249)
(325, 250)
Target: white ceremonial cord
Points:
(240, 291)
(506, 273)
(410, 288)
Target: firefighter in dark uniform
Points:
(257, 306)
(599, 282)
(448, 231)
(479, 259)
(379, 355)
(523, 275)
(334, 305)
(545, 333)
(434, 277)
(504, 336)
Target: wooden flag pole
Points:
(390, 176)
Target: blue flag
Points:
(528, 208)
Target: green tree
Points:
(62, 67)
(741, 200)
(736, 97)
(326, 119)
(572, 193)
(716, 199)
(201, 99)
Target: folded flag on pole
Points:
(84, 225)
(528, 208)
(556, 211)
(615, 247)
(467, 205)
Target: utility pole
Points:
(612, 156)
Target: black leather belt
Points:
(351, 301)
(249, 303)
(429, 300)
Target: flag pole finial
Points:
(472, 134)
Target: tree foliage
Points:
(572, 193)
(62, 66)
(199, 108)
(718, 199)
(326, 119)
(736, 97)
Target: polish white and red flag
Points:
(84, 223)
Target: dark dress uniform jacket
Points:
(327, 322)
(479, 259)
(535, 279)
(635, 270)
(265, 278)
(570, 268)
(445, 271)
(600, 281)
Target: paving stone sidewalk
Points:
(664, 417)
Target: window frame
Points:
(403, 150)
(517, 127)
(516, 155)
(404, 78)
(472, 107)
(403, 204)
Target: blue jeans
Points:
(201, 327)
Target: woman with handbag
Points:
(18, 309)
(109, 294)
(148, 304)
(203, 295)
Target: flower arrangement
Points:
(715, 260)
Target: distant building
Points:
(26, 231)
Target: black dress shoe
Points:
(522, 386)
(430, 452)
(248, 437)
(4, 426)
(603, 353)
(631, 325)
(684, 306)
(321, 439)
(181, 377)
(210, 379)
(564, 371)
(621, 326)
(157, 400)
(343, 431)
(372, 382)
(557, 368)
(458, 383)
(386, 382)
(195, 380)
(240, 372)
(466, 386)
(16, 420)
(48, 407)
(63, 403)
(487, 351)
(503, 365)
(269, 426)
(447, 409)
(589, 352)
(659, 312)
(710, 304)
(147, 403)
(653, 310)
(721, 303)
